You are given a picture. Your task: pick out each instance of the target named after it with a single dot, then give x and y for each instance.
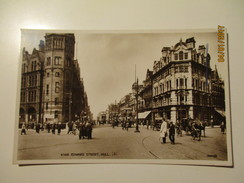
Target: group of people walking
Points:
(84, 128)
(165, 129)
(53, 127)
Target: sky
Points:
(108, 60)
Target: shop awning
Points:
(143, 115)
(221, 112)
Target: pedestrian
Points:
(147, 122)
(38, 126)
(196, 132)
(172, 132)
(23, 129)
(163, 130)
(127, 125)
(123, 125)
(53, 128)
(81, 131)
(70, 124)
(74, 128)
(113, 124)
(89, 130)
(223, 126)
(48, 127)
(59, 126)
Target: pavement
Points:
(115, 143)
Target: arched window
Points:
(181, 55)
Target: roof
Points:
(189, 40)
(165, 49)
(201, 47)
(180, 43)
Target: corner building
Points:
(51, 88)
(58, 77)
(181, 83)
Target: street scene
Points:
(115, 143)
(140, 96)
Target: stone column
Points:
(26, 118)
(191, 112)
(37, 118)
(190, 97)
(173, 114)
(173, 98)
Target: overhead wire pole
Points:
(136, 82)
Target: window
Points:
(47, 106)
(185, 82)
(176, 56)
(56, 114)
(161, 88)
(57, 87)
(34, 64)
(56, 100)
(181, 55)
(30, 80)
(177, 83)
(181, 99)
(57, 60)
(34, 96)
(68, 62)
(48, 61)
(35, 80)
(176, 69)
(30, 96)
(186, 55)
(48, 74)
(47, 91)
(181, 83)
(181, 69)
(57, 74)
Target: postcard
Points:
(151, 97)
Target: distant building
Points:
(51, 88)
(217, 98)
(145, 103)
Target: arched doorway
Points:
(32, 115)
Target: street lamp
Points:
(137, 126)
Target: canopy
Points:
(143, 115)
(221, 112)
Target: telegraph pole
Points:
(137, 88)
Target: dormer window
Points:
(176, 56)
(186, 55)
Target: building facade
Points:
(51, 89)
(31, 85)
(181, 82)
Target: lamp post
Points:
(70, 103)
(137, 127)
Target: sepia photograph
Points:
(158, 97)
